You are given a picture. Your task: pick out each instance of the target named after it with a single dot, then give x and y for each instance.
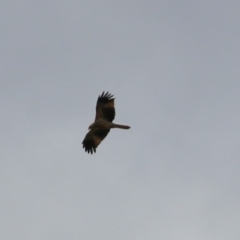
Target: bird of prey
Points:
(105, 113)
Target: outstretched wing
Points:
(93, 138)
(105, 107)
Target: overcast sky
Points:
(173, 67)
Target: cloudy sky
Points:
(173, 67)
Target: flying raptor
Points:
(105, 113)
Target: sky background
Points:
(173, 67)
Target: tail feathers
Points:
(120, 126)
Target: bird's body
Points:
(101, 124)
(105, 113)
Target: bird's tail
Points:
(120, 126)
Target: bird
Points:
(99, 129)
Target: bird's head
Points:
(90, 127)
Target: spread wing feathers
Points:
(105, 107)
(93, 139)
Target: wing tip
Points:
(89, 149)
(106, 96)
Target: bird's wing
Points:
(93, 138)
(105, 107)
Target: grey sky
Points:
(173, 67)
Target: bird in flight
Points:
(105, 113)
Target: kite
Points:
(105, 113)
